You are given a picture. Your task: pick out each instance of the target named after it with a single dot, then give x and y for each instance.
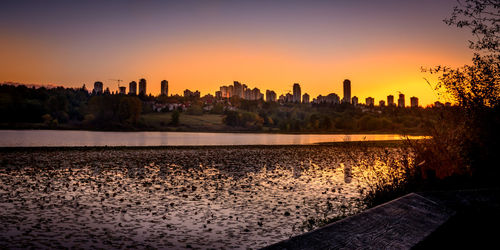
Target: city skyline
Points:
(244, 92)
(164, 86)
(196, 45)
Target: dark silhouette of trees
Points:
(20, 104)
(114, 111)
(175, 118)
(56, 108)
(482, 18)
(465, 142)
(243, 119)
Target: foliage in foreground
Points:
(467, 143)
(463, 149)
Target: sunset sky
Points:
(200, 45)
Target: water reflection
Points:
(29, 138)
(170, 198)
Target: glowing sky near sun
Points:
(200, 45)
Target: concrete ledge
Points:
(401, 224)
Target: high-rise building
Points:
(142, 86)
(218, 94)
(98, 87)
(164, 87)
(132, 88)
(347, 91)
(270, 96)
(122, 90)
(226, 91)
(247, 94)
(238, 89)
(390, 100)
(255, 94)
(296, 93)
(401, 101)
(381, 103)
(288, 97)
(282, 98)
(305, 98)
(189, 93)
(370, 101)
(354, 100)
(331, 98)
(414, 102)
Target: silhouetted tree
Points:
(465, 140)
(114, 111)
(482, 18)
(175, 118)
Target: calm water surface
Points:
(34, 138)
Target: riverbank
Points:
(215, 196)
(213, 123)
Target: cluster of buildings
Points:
(132, 88)
(296, 97)
(240, 90)
(370, 101)
(244, 92)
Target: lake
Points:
(228, 197)
(37, 138)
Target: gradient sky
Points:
(200, 45)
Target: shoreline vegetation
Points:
(22, 107)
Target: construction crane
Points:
(117, 80)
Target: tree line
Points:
(66, 108)
(76, 108)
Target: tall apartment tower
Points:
(354, 100)
(97, 88)
(370, 101)
(270, 96)
(305, 98)
(238, 89)
(347, 91)
(296, 93)
(122, 90)
(390, 100)
(401, 101)
(142, 86)
(164, 87)
(132, 88)
(414, 102)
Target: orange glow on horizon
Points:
(205, 66)
(379, 45)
